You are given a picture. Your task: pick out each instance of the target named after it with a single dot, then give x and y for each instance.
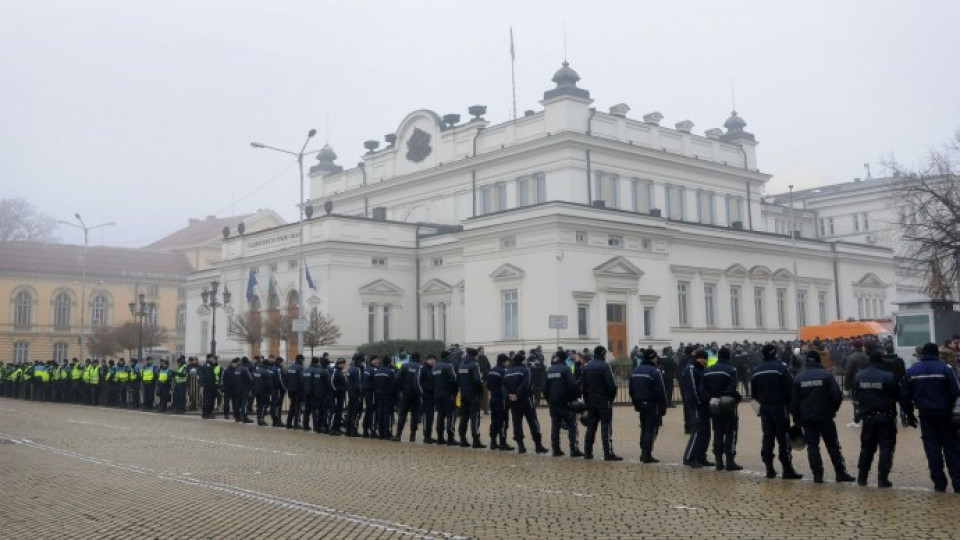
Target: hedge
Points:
(392, 347)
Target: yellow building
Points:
(49, 301)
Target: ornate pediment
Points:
(870, 280)
(507, 272)
(436, 286)
(737, 270)
(782, 275)
(381, 287)
(618, 267)
(761, 272)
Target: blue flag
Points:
(251, 284)
(310, 282)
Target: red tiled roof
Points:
(199, 232)
(111, 262)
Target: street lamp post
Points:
(210, 300)
(83, 264)
(299, 155)
(139, 311)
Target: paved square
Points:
(70, 471)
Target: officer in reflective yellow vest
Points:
(29, 382)
(134, 384)
(149, 376)
(93, 385)
(76, 381)
(17, 380)
(218, 380)
(180, 387)
(123, 380)
(164, 376)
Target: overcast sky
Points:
(141, 112)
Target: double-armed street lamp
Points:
(139, 310)
(298, 327)
(209, 298)
(83, 263)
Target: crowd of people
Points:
(793, 387)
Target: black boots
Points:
(521, 449)
(719, 462)
(771, 472)
(647, 457)
(883, 480)
(732, 465)
(540, 448)
(610, 456)
(789, 473)
(557, 452)
(862, 477)
(842, 476)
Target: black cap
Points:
(700, 353)
(723, 353)
(649, 355)
(813, 356)
(599, 351)
(769, 350)
(930, 349)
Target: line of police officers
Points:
(375, 398)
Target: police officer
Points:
(408, 379)
(241, 395)
(695, 454)
(720, 381)
(122, 378)
(668, 366)
(277, 392)
(519, 394)
(816, 399)
(369, 397)
(427, 400)
(931, 387)
(354, 395)
(497, 404)
(180, 387)
(876, 393)
(262, 388)
(323, 393)
(134, 383)
(687, 392)
(208, 381)
(164, 378)
(771, 385)
(149, 376)
(649, 398)
(294, 379)
(310, 397)
(444, 393)
(561, 389)
(599, 390)
(338, 396)
(471, 392)
(384, 388)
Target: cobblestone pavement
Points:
(71, 471)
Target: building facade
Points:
(470, 232)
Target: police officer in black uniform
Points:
(209, 383)
(695, 454)
(771, 385)
(561, 389)
(294, 380)
(720, 381)
(649, 398)
(262, 388)
(427, 401)
(816, 399)
(278, 392)
(497, 404)
(876, 392)
(241, 396)
(471, 392)
(384, 386)
(410, 394)
(354, 395)
(338, 397)
(519, 394)
(444, 392)
(323, 391)
(369, 397)
(308, 392)
(599, 391)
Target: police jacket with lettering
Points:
(338, 382)
(516, 382)
(931, 386)
(354, 380)
(468, 375)
(295, 378)
(495, 382)
(771, 384)
(646, 386)
(366, 381)
(718, 380)
(321, 382)
(229, 379)
(307, 376)
(409, 378)
(279, 378)
(690, 381)
(384, 382)
(876, 391)
(244, 378)
(599, 387)
(207, 378)
(816, 394)
(444, 380)
(259, 386)
(561, 387)
(426, 380)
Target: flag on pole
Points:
(251, 284)
(271, 287)
(310, 282)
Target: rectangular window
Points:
(613, 191)
(204, 337)
(599, 193)
(616, 313)
(782, 308)
(371, 323)
(523, 192)
(386, 322)
(709, 313)
(830, 226)
(486, 200)
(641, 195)
(181, 293)
(647, 322)
(705, 207)
(511, 314)
(583, 327)
(378, 261)
(541, 188)
(758, 306)
(801, 308)
(866, 222)
(436, 262)
(675, 203)
(735, 305)
(153, 291)
(822, 302)
(581, 237)
(501, 195)
(823, 227)
(508, 242)
(292, 264)
(856, 222)
(736, 209)
(615, 240)
(21, 351)
(683, 311)
(646, 244)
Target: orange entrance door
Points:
(617, 329)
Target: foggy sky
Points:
(142, 112)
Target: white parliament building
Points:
(636, 232)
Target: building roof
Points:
(110, 262)
(832, 189)
(199, 232)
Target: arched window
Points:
(61, 311)
(21, 351)
(151, 315)
(22, 309)
(98, 311)
(60, 351)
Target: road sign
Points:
(300, 325)
(558, 322)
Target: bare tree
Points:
(321, 331)
(126, 338)
(928, 199)
(246, 327)
(19, 220)
(103, 342)
(279, 327)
